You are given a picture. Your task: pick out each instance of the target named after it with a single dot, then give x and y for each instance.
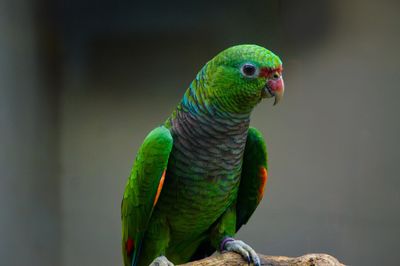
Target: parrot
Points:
(198, 177)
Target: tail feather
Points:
(135, 255)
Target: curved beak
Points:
(275, 87)
(279, 91)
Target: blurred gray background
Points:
(83, 82)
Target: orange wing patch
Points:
(160, 185)
(264, 178)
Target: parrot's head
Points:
(241, 76)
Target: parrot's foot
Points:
(238, 246)
(161, 261)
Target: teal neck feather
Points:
(205, 132)
(196, 100)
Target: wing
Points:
(254, 177)
(142, 190)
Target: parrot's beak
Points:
(274, 88)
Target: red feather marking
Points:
(129, 246)
(160, 185)
(267, 72)
(264, 179)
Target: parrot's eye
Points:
(249, 70)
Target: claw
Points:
(248, 260)
(257, 263)
(161, 261)
(244, 250)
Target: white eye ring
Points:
(249, 70)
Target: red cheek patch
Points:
(267, 72)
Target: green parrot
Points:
(200, 176)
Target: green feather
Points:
(212, 161)
(141, 188)
(255, 157)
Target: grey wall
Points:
(333, 181)
(29, 177)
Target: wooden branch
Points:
(230, 258)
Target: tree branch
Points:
(230, 258)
